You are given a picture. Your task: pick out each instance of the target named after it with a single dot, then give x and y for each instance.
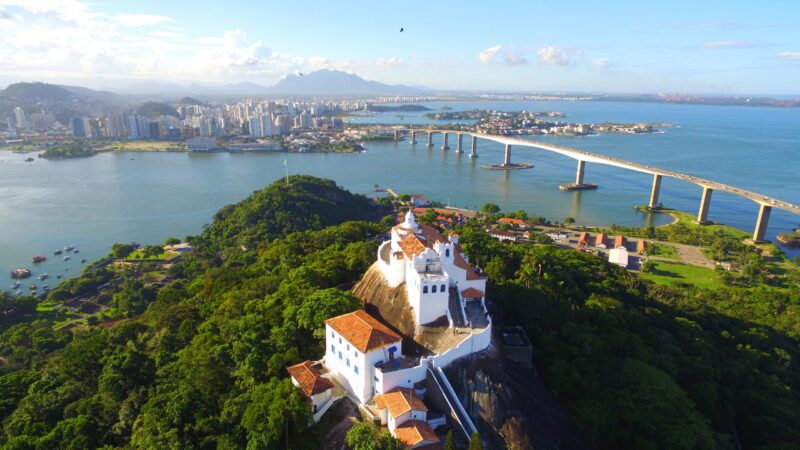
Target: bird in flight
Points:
(401, 29)
(301, 74)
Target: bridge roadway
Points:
(766, 203)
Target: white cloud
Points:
(139, 20)
(600, 63)
(791, 56)
(70, 39)
(488, 55)
(389, 63)
(552, 56)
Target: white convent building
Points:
(365, 357)
(431, 267)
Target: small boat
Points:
(57, 252)
(76, 251)
(66, 258)
(38, 259)
(29, 159)
(58, 277)
(69, 248)
(15, 284)
(43, 276)
(45, 287)
(32, 287)
(83, 261)
(20, 273)
(18, 292)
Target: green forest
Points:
(197, 360)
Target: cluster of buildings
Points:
(21, 123)
(509, 123)
(248, 117)
(366, 361)
(616, 246)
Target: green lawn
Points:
(139, 255)
(676, 273)
(664, 251)
(148, 146)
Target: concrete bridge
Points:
(765, 202)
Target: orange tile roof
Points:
(619, 241)
(412, 245)
(363, 331)
(412, 432)
(600, 239)
(512, 220)
(459, 261)
(471, 293)
(400, 400)
(309, 378)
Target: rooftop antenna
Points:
(286, 165)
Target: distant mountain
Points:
(318, 83)
(63, 101)
(336, 83)
(155, 109)
(33, 92)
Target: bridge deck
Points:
(583, 155)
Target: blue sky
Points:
(696, 47)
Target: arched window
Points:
(433, 288)
(447, 252)
(443, 288)
(424, 289)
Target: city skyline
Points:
(710, 48)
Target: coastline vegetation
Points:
(194, 355)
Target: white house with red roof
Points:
(316, 388)
(355, 344)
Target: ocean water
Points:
(145, 197)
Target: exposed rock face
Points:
(511, 407)
(390, 305)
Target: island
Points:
(399, 108)
(538, 123)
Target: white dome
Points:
(411, 221)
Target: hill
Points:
(336, 83)
(155, 109)
(196, 360)
(64, 102)
(193, 354)
(33, 92)
(308, 203)
(187, 101)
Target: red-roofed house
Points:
(416, 434)
(356, 343)
(517, 223)
(399, 405)
(314, 386)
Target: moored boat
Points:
(43, 276)
(38, 259)
(57, 252)
(20, 273)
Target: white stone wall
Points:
(361, 384)
(403, 378)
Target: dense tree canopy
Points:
(198, 358)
